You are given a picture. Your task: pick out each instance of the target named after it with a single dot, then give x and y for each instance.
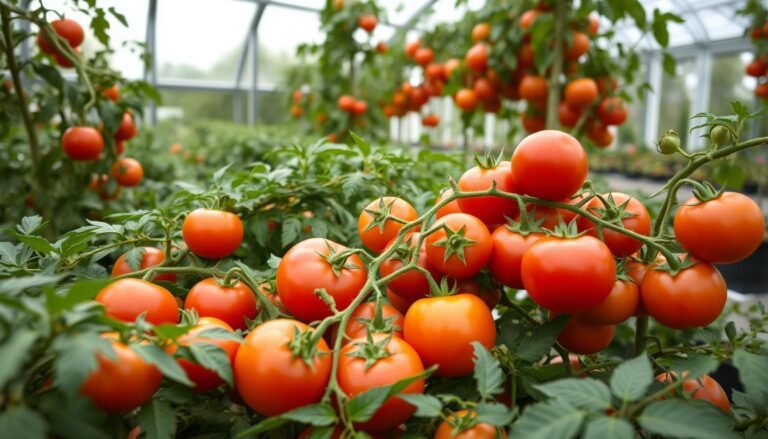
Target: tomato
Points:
(612, 111)
(418, 97)
(435, 72)
(621, 304)
(551, 217)
(430, 120)
(82, 143)
(361, 107)
(533, 87)
(367, 23)
(68, 29)
(126, 299)
(463, 252)
(119, 148)
(638, 221)
(450, 66)
(296, 111)
(507, 257)
(540, 156)
(150, 256)
(491, 210)
(492, 105)
(441, 330)
(477, 57)
(532, 123)
(756, 68)
(581, 92)
(724, 230)
(127, 172)
(526, 56)
(273, 379)
(594, 24)
(579, 46)
(233, 304)
(411, 48)
(481, 32)
(599, 134)
(761, 91)
(382, 47)
(127, 128)
(483, 89)
(694, 297)
(488, 291)
(466, 99)
(362, 318)
(112, 93)
(568, 275)
(123, 384)
(412, 284)
(212, 234)
(568, 115)
(269, 291)
(346, 103)
(451, 207)
(527, 18)
(424, 56)
(205, 379)
(375, 230)
(606, 84)
(585, 339)
(306, 268)
(356, 376)
(400, 303)
(704, 388)
(479, 431)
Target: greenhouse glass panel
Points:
(281, 31)
(729, 82)
(677, 94)
(189, 106)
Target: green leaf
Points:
(753, 372)
(363, 406)
(291, 231)
(37, 243)
(80, 291)
(695, 364)
(30, 224)
(318, 415)
(72, 418)
(157, 420)
(120, 17)
(14, 286)
(637, 12)
(49, 74)
(427, 406)
(166, 363)
(694, 419)
(213, 358)
(493, 413)
(586, 393)
(609, 427)
(631, 379)
(22, 422)
(134, 257)
(659, 28)
(539, 341)
(488, 373)
(14, 352)
(669, 63)
(76, 358)
(218, 176)
(8, 253)
(554, 418)
(361, 143)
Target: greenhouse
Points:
(383, 219)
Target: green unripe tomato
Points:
(669, 143)
(720, 135)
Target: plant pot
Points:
(750, 275)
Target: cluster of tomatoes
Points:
(758, 68)
(71, 32)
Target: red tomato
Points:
(491, 210)
(581, 92)
(444, 252)
(551, 217)
(441, 330)
(466, 99)
(375, 230)
(356, 376)
(123, 384)
(127, 172)
(540, 156)
(68, 29)
(112, 93)
(585, 339)
(704, 388)
(367, 23)
(363, 316)
(484, 89)
(424, 56)
(568, 115)
(579, 46)
(481, 31)
(126, 299)
(532, 123)
(594, 24)
(127, 128)
(477, 57)
(346, 103)
(233, 305)
(435, 72)
(599, 134)
(639, 222)
(306, 268)
(412, 284)
(621, 304)
(612, 111)
(527, 18)
(568, 275)
(725, 230)
(533, 88)
(411, 48)
(400, 303)
(82, 143)
(212, 234)
(451, 207)
(273, 379)
(507, 256)
(478, 431)
(694, 297)
(360, 108)
(150, 256)
(756, 68)
(205, 379)
(430, 120)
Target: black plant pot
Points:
(750, 275)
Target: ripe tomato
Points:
(581, 92)
(150, 256)
(382, 47)
(451, 207)
(356, 375)
(491, 210)
(375, 229)
(306, 268)
(346, 103)
(507, 257)
(435, 72)
(233, 305)
(694, 297)
(579, 46)
(483, 89)
(761, 91)
(568, 275)
(488, 291)
(533, 87)
(585, 339)
(68, 29)
(412, 284)
(123, 384)
(492, 105)
(126, 299)
(112, 93)
(756, 68)
(127, 128)
(361, 107)
(417, 98)
(450, 66)
(704, 388)
(296, 111)
(724, 230)
(271, 377)
(430, 120)
(532, 123)
(362, 318)
(82, 143)
(594, 24)
(481, 32)
(478, 431)
(411, 48)
(621, 304)
(367, 23)
(568, 115)
(466, 99)
(526, 57)
(424, 56)
(212, 234)
(540, 156)
(599, 134)
(205, 379)
(612, 111)
(527, 18)
(464, 251)
(441, 330)
(127, 172)
(400, 303)
(477, 57)
(639, 222)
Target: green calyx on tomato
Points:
(338, 261)
(527, 222)
(462, 422)
(669, 143)
(569, 230)
(371, 351)
(380, 324)
(704, 191)
(488, 161)
(455, 243)
(304, 346)
(380, 215)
